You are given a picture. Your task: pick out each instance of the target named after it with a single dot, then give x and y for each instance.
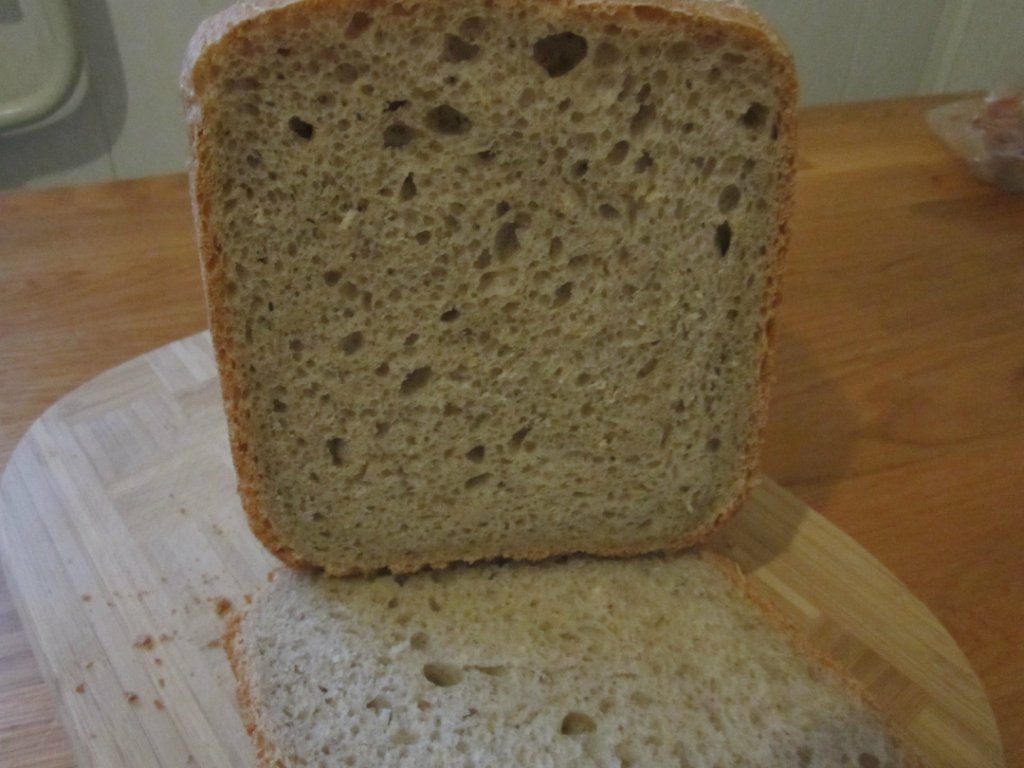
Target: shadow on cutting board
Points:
(808, 443)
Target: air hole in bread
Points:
(868, 760)
(352, 342)
(478, 480)
(418, 641)
(642, 120)
(336, 450)
(346, 73)
(647, 368)
(416, 380)
(643, 93)
(755, 116)
(506, 241)
(332, 276)
(560, 54)
(458, 50)
(472, 27)
(446, 119)
(618, 152)
(606, 54)
(679, 51)
(442, 675)
(579, 168)
(562, 294)
(398, 135)
(358, 25)
(279, 406)
(643, 163)
(300, 127)
(608, 212)
(476, 453)
(403, 737)
(377, 703)
(450, 315)
(519, 436)
(723, 237)
(576, 723)
(729, 198)
(502, 208)
(713, 445)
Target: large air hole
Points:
(352, 343)
(519, 437)
(647, 368)
(447, 120)
(618, 153)
(560, 54)
(336, 450)
(358, 25)
(408, 189)
(416, 380)
(458, 50)
(729, 198)
(506, 241)
(723, 237)
(576, 723)
(562, 294)
(476, 454)
(442, 675)
(449, 315)
(642, 119)
(755, 116)
(643, 163)
(398, 135)
(478, 480)
(300, 127)
(377, 703)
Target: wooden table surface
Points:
(898, 411)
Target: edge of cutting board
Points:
(146, 630)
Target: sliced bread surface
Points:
(653, 661)
(490, 278)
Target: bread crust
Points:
(713, 17)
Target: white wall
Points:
(128, 123)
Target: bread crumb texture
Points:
(491, 278)
(646, 662)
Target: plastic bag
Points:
(988, 132)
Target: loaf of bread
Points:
(490, 277)
(650, 661)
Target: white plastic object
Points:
(62, 76)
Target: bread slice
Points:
(490, 277)
(651, 662)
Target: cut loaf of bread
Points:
(651, 661)
(490, 277)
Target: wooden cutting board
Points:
(126, 549)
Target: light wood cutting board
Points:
(126, 549)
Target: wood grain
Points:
(127, 548)
(899, 405)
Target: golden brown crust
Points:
(232, 641)
(712, 17)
